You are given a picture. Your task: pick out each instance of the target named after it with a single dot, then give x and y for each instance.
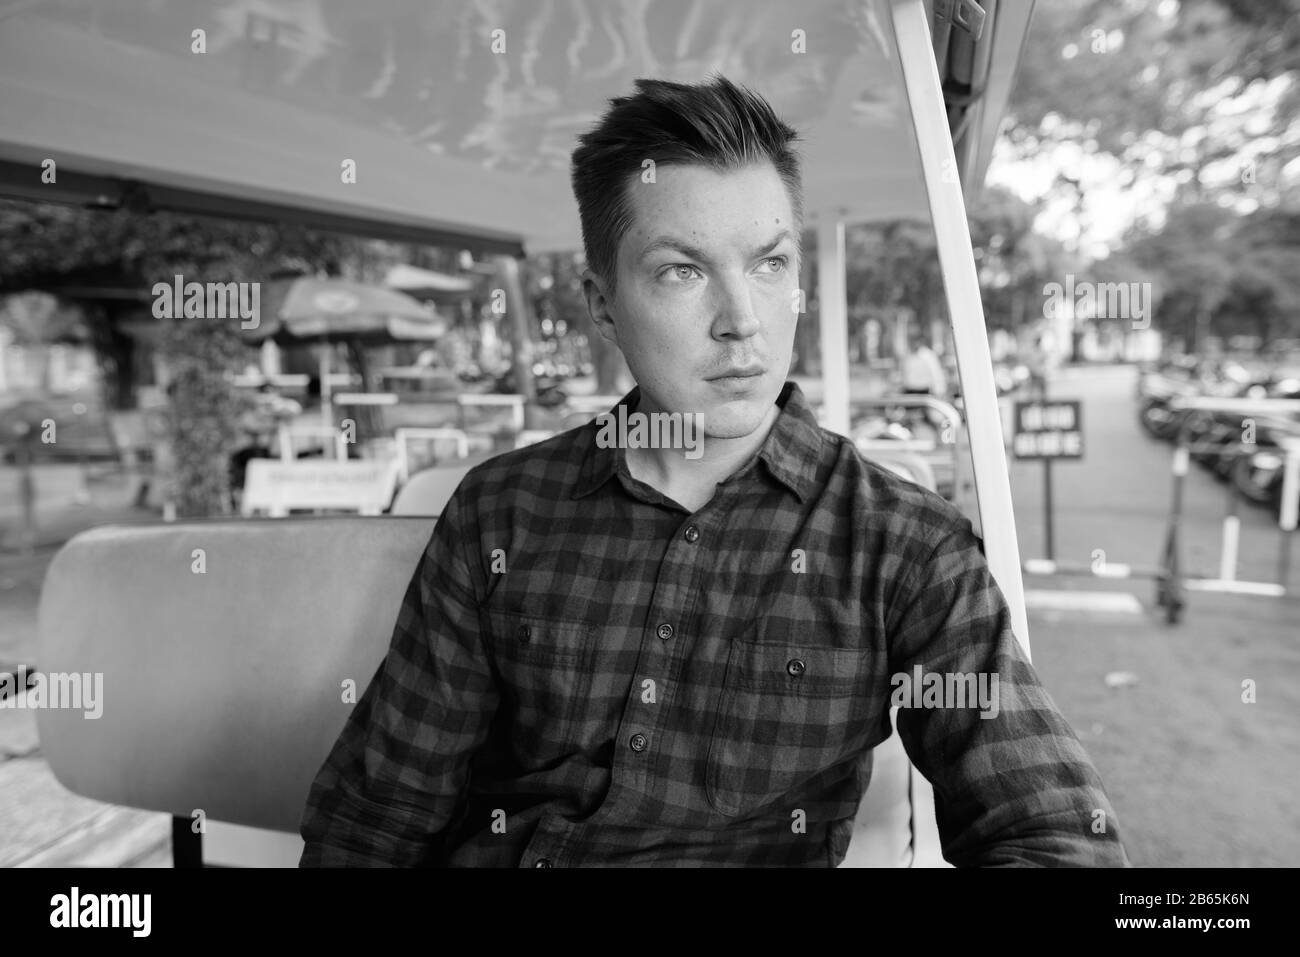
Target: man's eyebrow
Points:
(694, 252)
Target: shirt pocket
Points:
(788, 712)
(545, 670)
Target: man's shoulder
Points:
(546, 469)
(896, 505)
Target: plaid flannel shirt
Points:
(585, 673)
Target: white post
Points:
(326, 413)
(1231, 541)
(832, 297)
(1290, 489)
(961, 284)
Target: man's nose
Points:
(735, 317)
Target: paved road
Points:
(1117, 499)
(1199, 775)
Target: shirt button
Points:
(638, 742)
(542, 862)
(664, 631)
(692, 534)
(795, 666)
(525, 633)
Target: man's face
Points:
(705, 310)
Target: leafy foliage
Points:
(1224, 274)
(39, 241)
(204, 414)
(1193, 101)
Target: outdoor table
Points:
(366, 415)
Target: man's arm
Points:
(394, 778)
(1013, 787)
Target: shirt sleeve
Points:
(1013, 785)
(393, 780)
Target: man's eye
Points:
(781, 263)
(674, 272)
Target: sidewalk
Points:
(42, 824)
(46, 825)
(1198, 776)
(111, 502)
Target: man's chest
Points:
(695, 645)
(702, 578)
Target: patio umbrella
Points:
(306, 309)
(425, 284)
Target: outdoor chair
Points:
(429, 490)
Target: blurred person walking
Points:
(1041, 362)
(922, 370)
(923, 374)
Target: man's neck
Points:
(692, 482)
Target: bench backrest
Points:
(224, 648)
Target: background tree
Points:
(41, 242)
(1219, 273)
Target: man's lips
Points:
(738, 372)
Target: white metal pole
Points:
(1231, 542)
(1290, 489)
(326, 412)
(833, 301)
(1286, 520)
(961, 284)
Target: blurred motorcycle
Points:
(1259, 470)
(1155, 414)
(1223, 437)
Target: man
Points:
(621, 654)
(1041, 361)
(923, 375)
(922, 370)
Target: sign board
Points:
(275, 487)
(1048, 429)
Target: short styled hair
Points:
(714, 124)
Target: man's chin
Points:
(737, 418)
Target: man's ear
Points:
(598, 305)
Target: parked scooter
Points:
(1157, 418)
(1258, 475)
(1258, 472)
(1202, 428)
(1223, 438)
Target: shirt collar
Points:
(791, 451)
